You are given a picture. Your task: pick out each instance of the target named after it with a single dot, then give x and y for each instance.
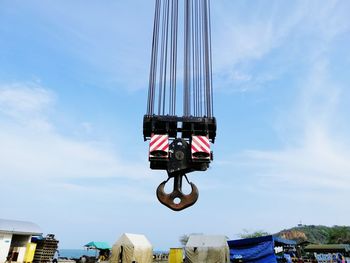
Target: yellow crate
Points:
(175, 255)
(30, 251)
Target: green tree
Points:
(247, 234)
(339, 235)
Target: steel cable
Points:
(197, 60)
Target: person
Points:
(341, 259)
(56, 256)
(313, 259)
(238, 259)
(83, 259)
(9, 258)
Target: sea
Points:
(77, 253)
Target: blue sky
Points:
(73, 89)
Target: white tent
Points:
(131, 248)
(207, 248)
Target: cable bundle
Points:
(197, 88)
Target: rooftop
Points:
(328, 248)
(19, 227)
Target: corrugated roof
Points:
(328, 248)
(19, 227)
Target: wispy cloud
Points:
(275, 34)
(116, 48)
(26, 103)
(40, 152)
(313, 151)
(19, 99)
(312, 154)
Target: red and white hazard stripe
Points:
(159, 142)
(200, 145)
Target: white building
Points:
(14, 237)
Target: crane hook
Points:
(170, 200)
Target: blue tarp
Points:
(257, 250)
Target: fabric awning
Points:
(97, 245)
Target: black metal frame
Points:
(165, 124)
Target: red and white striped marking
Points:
(200, 145)
(159, 143)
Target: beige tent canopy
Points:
(131, 248)
(207, 248)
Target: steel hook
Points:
(184, 200)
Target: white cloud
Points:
(16, 99)
(26, 103)
(41, 153)
(116, 48)
(239, 38)
(242, 40)
(312, 154)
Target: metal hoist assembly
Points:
(180, 143)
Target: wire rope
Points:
(197, 81)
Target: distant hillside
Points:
(318, 234)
